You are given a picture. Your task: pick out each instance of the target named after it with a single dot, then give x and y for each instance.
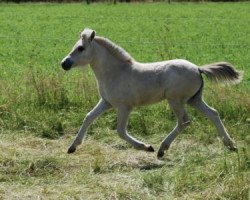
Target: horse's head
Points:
(82, 52)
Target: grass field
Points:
(42, 107)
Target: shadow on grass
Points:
(152, 166)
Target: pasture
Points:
(42, 106)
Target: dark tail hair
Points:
(222, 72)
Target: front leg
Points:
(90, 117)
(123, 113)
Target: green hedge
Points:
(89, 1)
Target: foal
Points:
(125, 83)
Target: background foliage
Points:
(114, 1)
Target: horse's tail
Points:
(222, 72)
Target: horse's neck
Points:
(105, 65)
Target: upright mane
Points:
(114, 49)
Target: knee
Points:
(180, 127)
(185, 124)
(213, 113)
(88, 118)
(121, 132)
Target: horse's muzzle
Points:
(67, 63)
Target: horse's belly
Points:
(133, 98)
(149, 98)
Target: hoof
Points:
(160, 154)
(233, 148)
(230, 145)
(71, 150)
(150, 149)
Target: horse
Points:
(124, 83)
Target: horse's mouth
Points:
(67, 64)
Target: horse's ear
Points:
(92, 36)
(87, 34)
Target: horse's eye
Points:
(80, 48)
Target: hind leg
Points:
(182, 122)
(213, 115)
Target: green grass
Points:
(42, 107)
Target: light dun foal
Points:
(125, 83)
